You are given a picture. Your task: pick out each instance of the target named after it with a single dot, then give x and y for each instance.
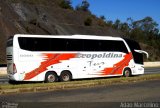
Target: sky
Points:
(123, 9)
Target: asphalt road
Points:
(152, 70)
(3, 80)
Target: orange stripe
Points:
(50, 60)
(118, 67)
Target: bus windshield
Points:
(138, 57)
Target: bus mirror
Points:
(141, 51)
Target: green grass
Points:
(82, 83)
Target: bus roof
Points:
(72, 36)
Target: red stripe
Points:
(118, 67)
(50, 60)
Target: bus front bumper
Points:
(138, 70)
(13, 77)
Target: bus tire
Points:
(65, 76)
(127, 72)
(12, 82)
(51, 77)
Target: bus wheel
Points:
(127, 72)
(65, 76)
(51, 77)
(12, 82)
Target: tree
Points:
(102, 17)
(147, 24)
(110, 23)
(145, 31)
(66, 4)
(84, 6)
(124, 27)
(130, 22)
(88, 21)
(102, 21)
(78, 7)
(117, 24)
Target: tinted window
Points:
(34, 44)
(74, 45)
(110, 45)
(50, 44)
(92, 45)
(57, 44)
(105, 45)
(138, 57)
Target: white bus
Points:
(52, 58)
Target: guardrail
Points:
(152, 64)
(3, 70)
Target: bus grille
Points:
(9, 57)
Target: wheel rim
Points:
(65, 77)
(127, 73)
(51, 78)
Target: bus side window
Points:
(91, 45)
(74, 45)
(57, 44)
(112, 45)
(22, 43)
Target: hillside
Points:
(47, 17)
